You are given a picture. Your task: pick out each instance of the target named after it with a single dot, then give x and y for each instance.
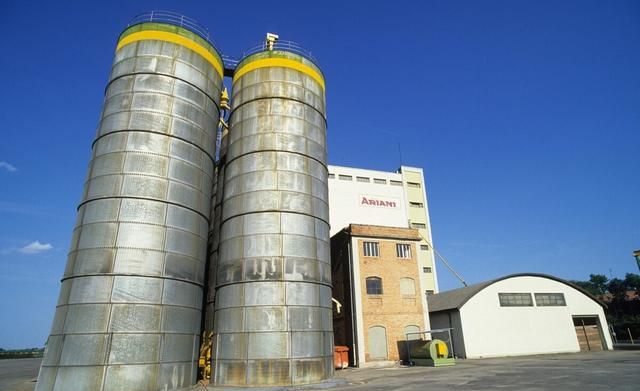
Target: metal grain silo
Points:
(129, 312)
(273, 318)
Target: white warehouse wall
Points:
(492, 331)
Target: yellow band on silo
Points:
(279, 62)
(173, 38)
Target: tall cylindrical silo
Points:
(129, 312)
(273, 318)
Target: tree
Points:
(632, 281)
(617, 288)
(599, 282)
(587, 286)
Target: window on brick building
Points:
(411, 332)
(407, 286)
(403, 250)
(370, 249)
(374, 286)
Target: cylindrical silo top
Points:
(167, 32)
(279, 58)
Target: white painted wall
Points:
(345, 199)
(493, 331)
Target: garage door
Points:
(588, 332)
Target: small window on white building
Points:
(380, 181)
(345, 177)
(396, 183)
(370, 249)
(424, 247)
(429, 292)
(418, 225)
(515, 299)
(426, 269)
(407, 286)
(332, 176)
(413, 184)
(416, 204)
(363, 179)
(403, 250)
(550, 300)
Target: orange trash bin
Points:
(341, 357)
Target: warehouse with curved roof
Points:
(520, 314)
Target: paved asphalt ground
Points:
(613, 370)
(19, 374)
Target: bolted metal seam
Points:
(238, 107)
(143, 198)
(154, 132)
(165, 75)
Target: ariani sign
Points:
(377, 202)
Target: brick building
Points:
(376, 278)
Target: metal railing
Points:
(175, 19)
(288, 46)
(230, 62)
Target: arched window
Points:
(374, 285)
(377, 344)
(407, 286)
(411, 329)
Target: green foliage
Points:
(632, 281)
(597, 284)
(587, 286)
(21, 353)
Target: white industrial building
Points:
(520, 314)
(392, 199)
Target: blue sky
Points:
(524, 114)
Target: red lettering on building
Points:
(377, 202)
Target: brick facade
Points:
(394, 310)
